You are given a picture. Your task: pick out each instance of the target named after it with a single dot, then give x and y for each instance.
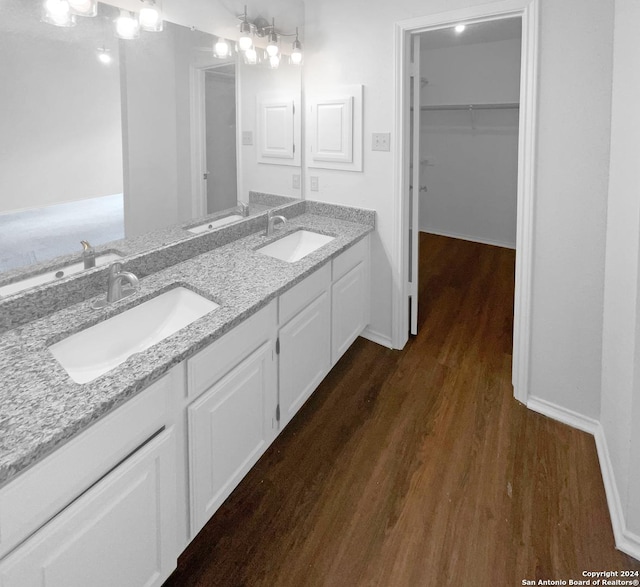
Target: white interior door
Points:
(414, 189)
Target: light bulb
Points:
(296, 57)
(150, 19)
(58, 13)
(272, 47)
(460, 28)
(84, 7)
(245, 41)
(274, 61)
(296, 52)
(222, 49)
(127, 26)
(104, 57)
(251, 56)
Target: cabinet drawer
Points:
(120, 532)
(44, 490)
(210, 364)
(302, 294)
(346, 261)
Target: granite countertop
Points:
(41, 407)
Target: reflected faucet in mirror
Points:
(88, 255)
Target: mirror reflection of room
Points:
(101, 141)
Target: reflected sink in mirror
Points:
(96, 350)
(51, 275)
(295, 246)
(200, 228)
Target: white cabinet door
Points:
(305, 355)
(349, 310)
(120, 532)
(230, 426)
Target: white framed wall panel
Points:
(276, 130)
(334, 128)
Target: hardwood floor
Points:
(418, 468)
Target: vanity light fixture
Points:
(296, 52)
(127, 25)
(222, 48)
(58, 13)
(245, 42)
(150, 17)
(84, 7)
(460, 28)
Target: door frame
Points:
(528, 11)
(198, 135)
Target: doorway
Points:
(407, 203)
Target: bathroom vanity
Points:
(106, 482)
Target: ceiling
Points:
(482, 32)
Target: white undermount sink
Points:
(215, 224)
(55, 274)
(92, 352)
(295, 246)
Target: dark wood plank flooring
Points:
(418, 468)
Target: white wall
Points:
(620, 411)
(571, 175)
(149, 108)
(60, 135)
(470, 161)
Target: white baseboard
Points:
(626, 541)
(474, 239)
(564, 415)
(376, 337)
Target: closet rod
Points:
(496, 106)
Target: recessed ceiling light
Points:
(460, 28)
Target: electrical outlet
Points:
(381, 141)
(314, 183)
(296, 181)
(247, 137)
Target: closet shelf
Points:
(487, 106)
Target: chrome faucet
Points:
(243, 208)
(115, 291)
(271, 222)
(88, 255)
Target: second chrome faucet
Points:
(271, 222)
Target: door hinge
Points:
(294, 148)
(278, 346)
(278, 413)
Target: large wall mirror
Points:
(103, 138)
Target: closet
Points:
(470, 82)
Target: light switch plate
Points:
(247, 137)
(296, 181)
(381, 141)
(314, 183)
